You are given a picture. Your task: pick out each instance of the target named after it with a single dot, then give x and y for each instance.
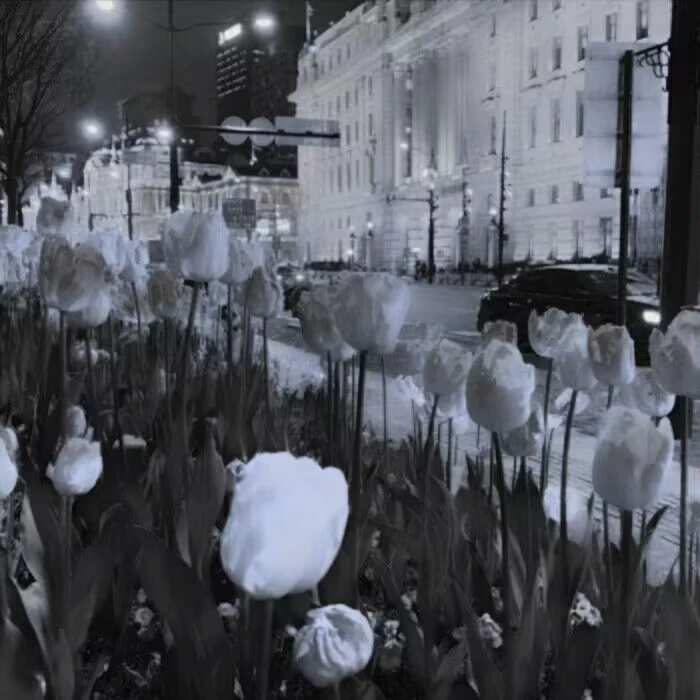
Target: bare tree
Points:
(39, 84)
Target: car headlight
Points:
(299, 277)
(651, 316)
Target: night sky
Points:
(133, 55)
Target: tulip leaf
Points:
(574, 664)
(204, 656)
(449, 670)
(652, 673)
(17, 679)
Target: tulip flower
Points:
(545, 331)
(164, 294)
(55, 218)
(77, 467)
(137, 260)
(9, 437)
(125, 296)
(527, 440)
(336, 643)
(69, 278)
(285, 525)
(95, 313)
(611, 352)
(75, 423)
(631, 458)
(408, 357)
(318, 326)
(113, 246)
(647, 395)
(579, 524)
(264, 294)
(571, 357)
(370, 310)
(446, 368)
(8, 471)
(244, 258)
(196, 245)
(501, 330)
(499, 388)
(675, 355)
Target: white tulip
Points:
(578, 521)
(264, 294)
(446, 368)
(95, 313)
(408, 357)
(370, 310)
(285, 526)
(318, 326)
(499, 388)
(631, 458)
(196, 245)
(9, 437)
(527, 440)
(55, 218)
(77, 468)
(611, 351)
(571, 358)
(675, 355)
(164, 294)
(217, 294)
(500, 330)
(75, 424)
(124, 304)
(244, 257)
(647, 395)
(336, 643)
(138, 258)
(69, 278)
(545, 331)
(409, 390)
(8, 471)
(113, 246)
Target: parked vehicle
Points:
(587, 289)
(294, 281)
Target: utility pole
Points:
(466, 215)
(502, 206)
(433, 207)
(174, 166)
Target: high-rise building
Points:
(256, 68)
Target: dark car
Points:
(294, 282)
(587, 289)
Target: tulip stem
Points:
(336, 413)
(115, 390)
(544, 467)
(563, 522)
(685, 414)
(608, 553)
(184, 351)
(63, 364)
(91, 385)
(229, 330)
(336, 692)
(266, 370)
(384, 421)
(329, 408)
(505, 545)
(262, 672)
(448, 470)
(626, 522)
(137, 308)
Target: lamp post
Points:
(353, 238)
(465, 223)
(261, 22)
(502, 238)
(370, 237)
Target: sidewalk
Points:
(296, 367)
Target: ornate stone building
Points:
(421, 90)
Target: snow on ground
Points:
(297, 367)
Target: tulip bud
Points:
(545, 332)
(77, 468)
(164, 293)
(8, 471)
(264, 294)
(611, 351)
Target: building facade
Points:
(144, 168)
(423, 91)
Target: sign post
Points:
(239, 213)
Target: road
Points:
(455, 308)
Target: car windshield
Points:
(606, 283)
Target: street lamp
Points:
(264, 22)
(165, 134)
(370, 236)
(105, 5)
(92, 129)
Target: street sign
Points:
(307, 132)
(239, 213)
(601, 106)
(234, 139)
(261, 139)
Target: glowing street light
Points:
(164, 134)
(264, 22)
(105, 5)
(92, 129)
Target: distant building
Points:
(151, 106)
(409, 79)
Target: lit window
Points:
(642, 19)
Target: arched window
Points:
(285, 199)
(264, 199)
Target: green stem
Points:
(563, 522)
(685, 412)
(63, 364)
(266, 369)
(262, 672)
(448, 471)
(229, 330)
(385, 421)
(625, 597)
(608, 553)
(91, 385)
(544, 467)
(505, 544)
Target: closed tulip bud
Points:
(77, 468)
(631, 458)
(571, 359)
(578, 520)
(527, 440)
(70, 278)
(500, 386)
(611, 351)
(95, 313)
(264, 294)
(370, 310)
(336, 643)
(55, 218)
(112, 245)
(409, 356)
(545, 332)
(318, 326)
(8, 471)
(244, 258)
(500, 330)
(647, 395)
(164, 294)
(196, 245)
(446, 368)
(260, 552)
(9, 437)
(138, 258)
(75, 424)
(675, 355)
